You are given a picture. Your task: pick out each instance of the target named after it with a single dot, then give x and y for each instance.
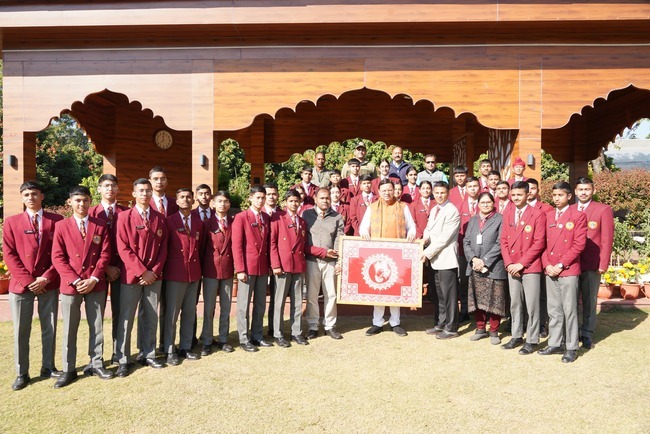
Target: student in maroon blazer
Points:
(336, 181)
(250, 248)
(359, 204)
(421, 208)
(566, 236)
(523, 239)
(288, 245)
(308, 187)
(27, 248)
(108, 210)
(411, 189)
(384, 168)
(166, 205)
(80, 252)
(595, 258)
(203, 195)
(353, 182)
(142, 245)
(218, 271)
(182, 273)
(502, 200)
(342, 208)
(458, 193)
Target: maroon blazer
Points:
(288, 245)
(250, 245)
(304, 207)
(512, 180)
(456, 198)
(497, 205)
(197, 212)
(465, 217)
(407, 193)
(357, 210)
(525, 243)
(313, 188)
(171, 208)
(420, 213)
(183, 262)
(375, 185)
(97, 211)
(352, 190)
(217, 253)
(600, 237)
(76, 258)
(25, 257)
(543, 207)
(141, 249)
(344, 210)
(565, 240)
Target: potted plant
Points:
(4, 276)
(644, 275)
(630, 288)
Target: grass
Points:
(382, 383)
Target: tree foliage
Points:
(64, 157)
(625, 190)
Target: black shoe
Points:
(50, 373)
(226, 348)
(550, 350)
(569, 356)
(65, 379)
(249, 347)
(299, 339)
(312, 334)
(122, 370)
(21, 382)
(527, 349)
(399, 331)
(446, 335)
(173, 359)
(270, 333)
(434, 330)
(332, 333)
(543, 333)
(374, 330)
(512, 343)
(262, 343)
(187, 354)
(195, 341)
(587, 343)
(206, 350)
(282, 342)
(154, 363)
(102, 373)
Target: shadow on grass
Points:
(624, 320)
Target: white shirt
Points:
(157, 201)
(364, 227)
(39, 213)
(207, 212)
(189, 219)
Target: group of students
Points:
(156, 256)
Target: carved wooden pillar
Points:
(257, 151)
(204, 149)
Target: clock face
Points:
(163, 139)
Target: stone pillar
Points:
(204, 150)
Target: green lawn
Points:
(361, 384)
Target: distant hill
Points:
(630, 153)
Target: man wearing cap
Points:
(518, 167)
(367, 167)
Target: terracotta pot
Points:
(630, 291)
(605, 291)
(4, 286)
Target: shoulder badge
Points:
(159, 232)
(97, 239)
(592, 225)
(528, 228)
(569, 225)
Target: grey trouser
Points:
(321, 272)
(94, 303)
(212, 287)
(115, 285)
(22, 311)
(562, 296)
(255, 288)
(130, 297)
(288, 284)
(180, 299)
(524, 294)
(589, 282)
